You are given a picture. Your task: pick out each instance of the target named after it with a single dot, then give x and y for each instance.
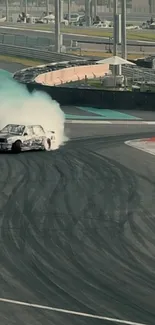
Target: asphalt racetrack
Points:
(77, 230)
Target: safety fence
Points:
(140, 74)
(26, 41)
(44, 55)
(40, 43)
(28, 38)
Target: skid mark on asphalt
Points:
(71, 312)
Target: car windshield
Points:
(13, 129)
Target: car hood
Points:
(5, 135)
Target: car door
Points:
(39, 135)
(28, 137)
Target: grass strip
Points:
(23, 61)
(101, 54)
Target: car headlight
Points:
(9, 140)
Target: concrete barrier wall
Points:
(72, 74)
(106, 99)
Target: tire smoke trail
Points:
(18, 106)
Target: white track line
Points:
(117, 122)
(71, 312)
(87, 122)
(150, 122)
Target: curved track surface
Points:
(77, 230)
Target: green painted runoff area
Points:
(84, 117)
(108, 114)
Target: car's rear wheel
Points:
(16, 146)
(47, 144)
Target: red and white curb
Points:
(146, 145)
(117, 122)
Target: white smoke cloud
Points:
(18, 106)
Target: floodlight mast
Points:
(88, 15)
(95, 9)
(57, 26)
(47, 7)
(7, 10)
(26, 7)
(115, 49)
(123, 30)
(69, 11)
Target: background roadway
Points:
(133, 45)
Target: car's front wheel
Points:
(16, 146)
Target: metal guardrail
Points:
(47, 41)
(139, 74)
(26, 41)
(39, 42)
(32, 53)
(17, 37)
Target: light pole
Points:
(69, 10)
(21, 6)
(61, 10)
(25, 7)
(88, 12)
(115, 4)
(47, 7)
(109, 5)
(7, 10)
(123, 27)
(57, 26)
(95, 9)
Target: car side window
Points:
(29, 130)
(38, 130)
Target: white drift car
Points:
(17, 138)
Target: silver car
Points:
(17, 138)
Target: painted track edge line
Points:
(116, 122)
(16, 302)
(87, 122)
